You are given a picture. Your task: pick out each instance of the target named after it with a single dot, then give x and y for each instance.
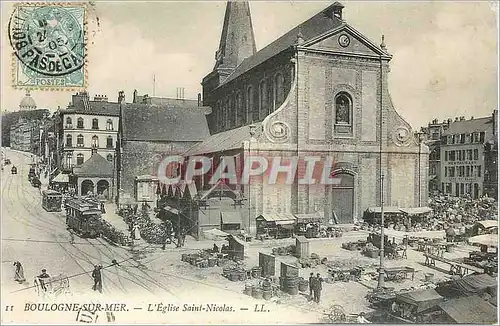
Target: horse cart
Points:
(52, 286)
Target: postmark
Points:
(48, 43)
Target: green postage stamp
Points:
(49, 45)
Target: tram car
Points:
(83, 216)
(51, 200)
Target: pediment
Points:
(345, 39)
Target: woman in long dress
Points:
(19, 272)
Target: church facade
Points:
(320, 90)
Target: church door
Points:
(343, 199)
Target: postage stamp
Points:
(49, 45)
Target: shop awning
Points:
(488, 223)
(61, 178)
(423, 299)
(308, 218)
(470, 310)
(230, 217)
(52, 193)
(490, 240)
(388, 209)
(172, 210)
(416, 210)
(280, 219)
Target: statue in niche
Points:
(342, 110)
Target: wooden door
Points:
(343, 199)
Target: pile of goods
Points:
(109, 232)
(370, 251)
(237, 272)
(264, 289)
(284, 251)
(311, 262)
(486, 260)
(353, 246)
(203, 259)
(345, 275)
(151, 232)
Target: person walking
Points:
(311, 285)
(97, 276)
(318, 287)
(42, 278)
(19, 272)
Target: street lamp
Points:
(381, 271)
(252, 131)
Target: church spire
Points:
(237, 41)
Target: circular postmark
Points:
(48, 39)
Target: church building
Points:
(319, 90)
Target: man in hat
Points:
(317, 288)
(42, 278)
(311, 285)
(96, 275)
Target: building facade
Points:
(87, 125)
(468, 157)
(432, 137)
(319, 90)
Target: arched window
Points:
(278, 91)
(79, 141)
(79, 159)
(109, 142)
(68, 121)
(79, 123)
(95, 123)
(109, 157)
(250, 110)
(69, 141)
(95, 141)
(69, 160)
(343, 109)
(239, 110)
(109, 124)
(262, 99)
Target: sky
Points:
(445, 53)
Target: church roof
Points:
(143, 122)
(95, 166)
(27, 103)
(316, 25)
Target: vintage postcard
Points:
(249, 162)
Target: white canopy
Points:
(490, 240)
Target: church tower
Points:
(237, 43)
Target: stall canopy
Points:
(51, 193)
(279, 219)
(470, 310)
(423, 299)
(308, 218)
(473, 284)
(388, 209)
(61, 178)
(215, 235)
(230, 217)
(416, 210)
(488, 224)
(490, 240)
(172, 210)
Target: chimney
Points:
(462, 118)
(495, 121)
(335, 11)
(199, 99)
(134, 100)
(121, 97)
(180, 93)
(456, 119)
(472, 118)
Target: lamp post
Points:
(252, 130)
(420, 140)
(381, 271)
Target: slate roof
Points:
(314, 26)
(470, 126)
(166, 101)
(470, 310)
(222, 141)
(94, 107)
(144, 122)
(95, 166)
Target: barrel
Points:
(256, 292)
(242, 276)
(449, 248)
(184, 257)
(291, 285)
(267, 294)
(248, 289)
(234, 276)
(226, 271)
(256, 272)
(212, 262)
(204, 263)
(266, 285)
(303, 285)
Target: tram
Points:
(51, 200)
(84, 217)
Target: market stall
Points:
(276, 226)
(413, 215)
(373, 215)
(230, 222)
(466, 310)
(236, 247)
(411, 306)
(307, 225)
(485, 227)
